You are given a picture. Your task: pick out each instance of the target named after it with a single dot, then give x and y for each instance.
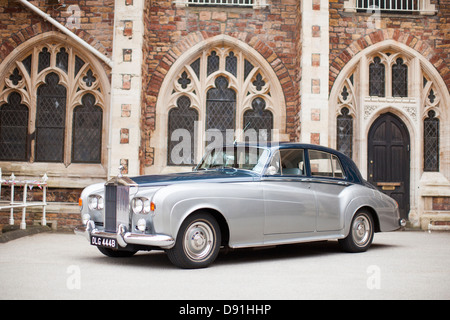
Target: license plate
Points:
(104, 242)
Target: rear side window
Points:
(324, 164)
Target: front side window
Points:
(324, 164)
(245, 158)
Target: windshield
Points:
(238, 157)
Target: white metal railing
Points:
(26, 184)
(392, 5)
(236, 3)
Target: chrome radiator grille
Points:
(117, 199)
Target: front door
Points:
(389, 159)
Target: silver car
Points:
(239, 196)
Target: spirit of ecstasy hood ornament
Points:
(121, 169)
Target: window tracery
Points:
(227, 91)
(54, 82)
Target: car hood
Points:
(213, 176)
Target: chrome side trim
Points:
(124, 238)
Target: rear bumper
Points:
(124, 238)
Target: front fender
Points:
(240, 204)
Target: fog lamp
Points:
(141, 225)
(85, 218)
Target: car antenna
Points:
(243, 131)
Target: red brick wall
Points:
(273, 31)
(428, 35)
(18, 24)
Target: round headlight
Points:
(101, 203)
(147, 206)
(93, 202)
(138, 205)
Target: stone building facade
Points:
(370, 78)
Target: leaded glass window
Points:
(259, 119)
(399, 79)
(44, 59)
(51, 106)
(221, 108)
(181, 146)
(87, 131)
(228, 94)
(13, 129)
(213, 63)
(50, 120)
(62, 60)
(431, 142)
(231, 64)
(345, 132)
(377, 76)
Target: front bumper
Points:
(124, 238)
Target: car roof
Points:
(353, 173)
(288, 145)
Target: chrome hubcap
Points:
(199, 240)
(361, 230)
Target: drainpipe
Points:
(66, 31)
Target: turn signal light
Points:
(80, 202)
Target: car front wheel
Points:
(198, 242)
(361, 233)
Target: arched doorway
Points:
(389, 159)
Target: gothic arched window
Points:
(13, 129)
(58, 98)
(221, 109)
(377, 78)
(259, 119)
(399, 79)
(50, 120)
(87, 131)
(181, 136)
(431, 142)
(212, 97)
(344, 127)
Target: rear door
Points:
(288, 199)
(328, 182)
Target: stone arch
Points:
(32, 78)
(409, 41)
(16, 39)
(411, 109)
(176, 61)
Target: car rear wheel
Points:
(361, 233)
(198, 242)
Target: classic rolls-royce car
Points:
(238, 196)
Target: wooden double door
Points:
(389, 159)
